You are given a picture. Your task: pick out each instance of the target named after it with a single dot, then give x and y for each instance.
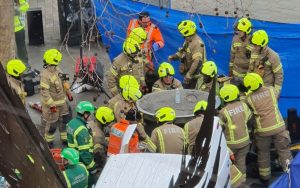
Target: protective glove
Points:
(53, 109)
(187, 78)
(155, 46)
(140, 129)
(232, 158)
(170, 58)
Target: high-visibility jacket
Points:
(17, 86)
(19, 17)
(239, 62)
(263, 103)
(79, 138)
(202, 86)
(153, 35)
(116, 136)
(233, 118)
(160, 86)
(191, 130)
(272, 73)
(167, 138)
(76, 176)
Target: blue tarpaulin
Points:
(217, 32)
(291, 178)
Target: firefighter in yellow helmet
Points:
(127, 63)
(269, 126)
(239, 55)
(125, 101)
(192, 127)
(191, 55)
(208, 71)
(53, 97)
(265, 61)
(104, 116)
(167, 81)
(14, 69)
(234, 117)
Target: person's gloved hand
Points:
(232, 158)
(155, 46)
(140, 129)
(187, 78)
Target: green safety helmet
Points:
(187, 28)
(104, 115)
(85, 106)
(128, 80)
(253, 81)
(209, 68)
(165, 69)
(15, 67)
(260, 38)
(138, 34)
(229, 92)
(131, 93)
(70, 154)
(165, 114)
(244, 25)
(131, 47)
(201, 105)
(52, 57)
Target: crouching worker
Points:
(75, 173)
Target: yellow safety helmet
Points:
(52, 57)
(131, 46)
(104, 115)
(209, 68)
(201, 105)
(253, 81)
(131, 93)
(165, 69)
(15, 67)
(187, 28)
(229, 92)
(138, 34)
(260, 38)
(128, 80)
(245, 25)
(165, 114)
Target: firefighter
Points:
(265, 62)
(239, 59)
(191, 128)
(168, 137)
(234, 117)
(53, 97)
(75, 173)
(79, 137)
(117, 132)
(122, 103)
(15, 68)
(21, 7)
(127, 63)
(269, 127)
(167, 81)
(104, 116)
(237, 179)
(208, 71)
(191, 55)
(154, 40)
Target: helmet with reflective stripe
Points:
(85, 106)
(260, 38)
(131, 46)
(187, 28)
(165, 114)
(165, 69)
(201, 105)
(70, 154)
(229, 92)
(209, 68)
(104, 115)
(52, 57)
(138, 34)
(253, 81)
(128, 80)
(131, 93)
(245, 25)
(15, 67)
